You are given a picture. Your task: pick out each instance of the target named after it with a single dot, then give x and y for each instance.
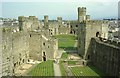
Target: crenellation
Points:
(21, 18)
(88, 17)
(81, 14)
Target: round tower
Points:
(81, 13)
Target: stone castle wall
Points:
(24, 42)
(39, 43)
(87, 30)
(15, 50)
(0, 51)
(6, 50)
(74, 27)
(35, 46)
(105, 57)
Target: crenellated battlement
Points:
(81, 13)
(88, 17)
(31, 18)
(59, 18)
(96, 22)
(82, 9)
(21, 18)
(111, 43)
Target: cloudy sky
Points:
(98, 9)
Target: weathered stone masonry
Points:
(105, 57)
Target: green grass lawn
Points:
(43, 69)
(84, 71)
(64, 55)
(66, 36)
(62, 69)
(72, 62)
(66, 41)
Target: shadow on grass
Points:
(97, 71)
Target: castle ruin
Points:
(32, 39)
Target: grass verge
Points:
(43, 69)
(72, 62)
(62, 69)
(64, 55)
(84, 71)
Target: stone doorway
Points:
(44, 56)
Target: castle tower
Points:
(46, 22)
(21, 19)
(81, 13)
(88, 17)
(59, 20)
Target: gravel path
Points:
(57, 71)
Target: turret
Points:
(59, 20)
(46, 22)
(33, 18)
(88, 17)
(21, 19)
(81, 14)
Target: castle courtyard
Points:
(69, 60)
(32, 46)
